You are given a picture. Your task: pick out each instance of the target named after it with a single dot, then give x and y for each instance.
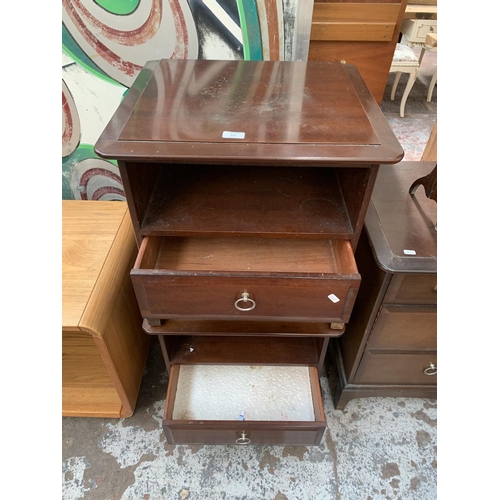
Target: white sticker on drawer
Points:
(333, 298)
(233, 135)
(409, 252)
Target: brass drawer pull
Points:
(245, 300)
(243, 439)
(431, 370)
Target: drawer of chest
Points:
(412, 289)
(397, 369)
(246, 278)
(409, 328)
(416, 30)
(244, 405)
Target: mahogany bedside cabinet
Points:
(104, 347)
(247, 183)
(389, 347)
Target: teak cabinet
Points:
(104, 348)
(389, 347)
(248, 184)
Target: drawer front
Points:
(405, 328)
(412, 289)
(416, 30)
(397, 369)
(246, 278)
(207, 297)
(243, 434)
(202, 399)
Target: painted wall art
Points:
(107, 42)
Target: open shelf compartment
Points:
(223, 200)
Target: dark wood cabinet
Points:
(248, 184)
(389, 347)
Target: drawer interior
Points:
(256, 255)
(248, 392)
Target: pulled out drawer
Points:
(244, 405)
(246, 278)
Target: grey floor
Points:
(377, 448)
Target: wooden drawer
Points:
(412, 289)
(405, 328)
(280, 404)
(396, 369)
(416, 30)
(208, 278)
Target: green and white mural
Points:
(106, 43)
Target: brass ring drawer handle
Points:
(431, 370)
(243, 439)
(245, 301)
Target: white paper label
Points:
(409, 252)
(333, 298)
(233, 135)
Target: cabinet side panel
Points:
(87, 388)
(357, 186)
(139, 180)
(127, 345)
(365, 308)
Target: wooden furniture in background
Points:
(359, 32)
(419, 30)
(389, 347)
(415, 31)
(103, 346)
(248, 183)
(423, 9)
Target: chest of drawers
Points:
(390, 345)
(248, 183)
(416, 30)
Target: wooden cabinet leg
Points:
(153, 322)
(164, 351)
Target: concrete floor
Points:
(377, 448)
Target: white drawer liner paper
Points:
(216, 392)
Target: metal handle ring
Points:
(245, 299)
(431, 370)
(243, 439)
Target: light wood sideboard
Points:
(104, 348)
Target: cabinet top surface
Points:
(401, 226)
(88, 231)
(266, 110)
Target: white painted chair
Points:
(432, 85)
(404, 61)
